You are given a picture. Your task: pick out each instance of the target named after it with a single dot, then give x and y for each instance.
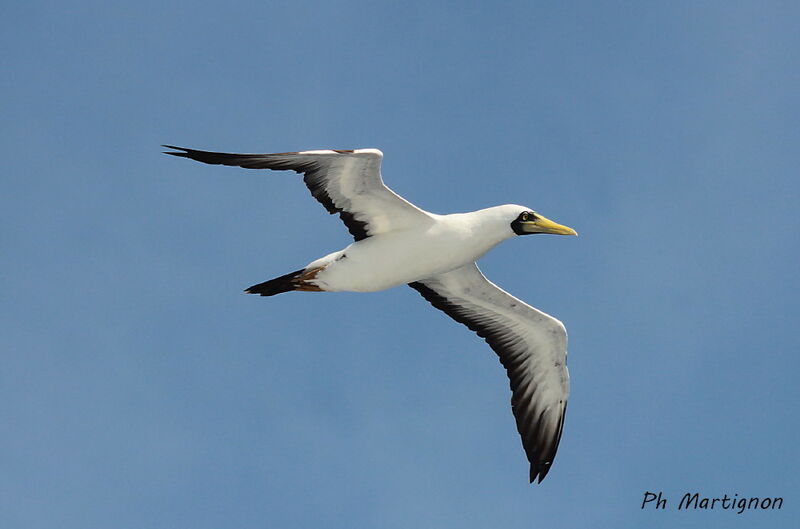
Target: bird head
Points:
(527, 222)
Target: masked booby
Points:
(398, 243)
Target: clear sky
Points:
(141, 389)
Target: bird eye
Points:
(524, 216)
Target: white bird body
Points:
(402, 256)
(398, 243)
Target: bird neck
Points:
(487, 227)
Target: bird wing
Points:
(345, 182)
(532, 346)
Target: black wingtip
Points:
(539, 471)
(185, 153)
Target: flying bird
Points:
(398, 243)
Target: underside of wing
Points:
(347, 182)
(531, 346)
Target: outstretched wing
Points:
(532, 346)
(345, 182)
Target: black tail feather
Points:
(278, 285)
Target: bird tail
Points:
(297, 280)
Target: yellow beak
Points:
(545, 225)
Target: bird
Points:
(397, 243)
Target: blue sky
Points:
(141, 388)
